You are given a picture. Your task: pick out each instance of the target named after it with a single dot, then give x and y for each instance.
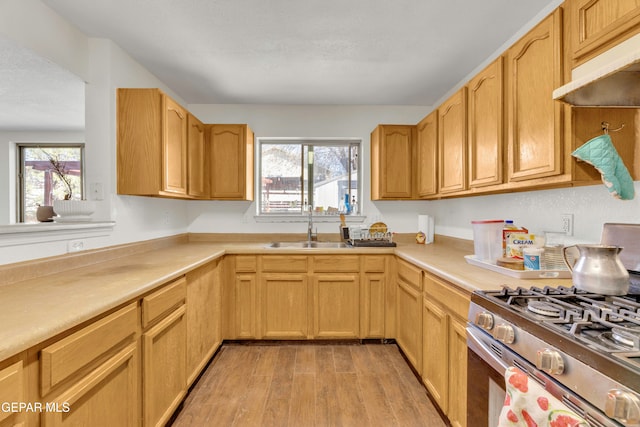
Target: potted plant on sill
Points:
(68, 209)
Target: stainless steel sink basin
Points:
(308, 245)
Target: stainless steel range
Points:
(583, 348)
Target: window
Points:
(38, 184)
(302, 173)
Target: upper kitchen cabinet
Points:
(152, 144)
(535, 69)
(597, 25)
(197, 159)
(452, 143)
(392, 148)
(485, 126)
(231, 160)
(427, 156)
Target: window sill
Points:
(305, 218)
(20, 234)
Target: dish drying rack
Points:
(376, 239)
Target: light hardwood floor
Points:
(301, 385)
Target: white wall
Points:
(297, 121)
(104, 66)
(592, 206)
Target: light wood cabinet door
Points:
(452, 143)
(164, 381)
(203, 317)
(535, 69)
(286, 304)
(372, 305)
(151, 144)
(392, 162)
(409, 326)
(485, 140)
(174, 147)
(457, 412)
(336, 306)
(107, 396)
(427, 155)
(246, 306)
(597, 25)
(12, 384)
(435, 353)
(198, 160)
(231, 162)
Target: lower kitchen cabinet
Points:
(373, 296)
(285, 305)
(444, 355)
(240, 297)
(164, 381)
(91, 376)
(409, 313)
(105, 397)
(203, 317)
(435, 363)
(336, 306)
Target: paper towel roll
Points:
(426, 225)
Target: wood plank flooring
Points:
(300, 385)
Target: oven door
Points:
(485, 382)
(488, 361)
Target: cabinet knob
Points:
(550, 361)
(623, 406)
(504, 333)
(484, 320)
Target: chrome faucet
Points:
(311, 236)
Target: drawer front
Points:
(285, 263)
(412, 275)
(246, 264)
(454, 300)
(336, 263)
(374, 263)
(163, 300)
(62, 359)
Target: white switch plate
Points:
(97, 192)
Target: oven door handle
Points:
(480, 348)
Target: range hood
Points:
(611, 80)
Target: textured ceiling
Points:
(37, 94)
(332, 52)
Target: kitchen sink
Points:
(308, 245)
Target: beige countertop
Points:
(34, 310)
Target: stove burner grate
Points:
(544, 308)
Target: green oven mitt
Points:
(601, 154)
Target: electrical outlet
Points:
(75, 245)
(567, 224)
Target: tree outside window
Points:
(39, 184)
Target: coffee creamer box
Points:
(516, 242)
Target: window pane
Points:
(302, 172)
(40, 184)
(281, 178)
(330, 177)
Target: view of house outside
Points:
(287, 168)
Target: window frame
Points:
(303, 216)
(20, 182)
